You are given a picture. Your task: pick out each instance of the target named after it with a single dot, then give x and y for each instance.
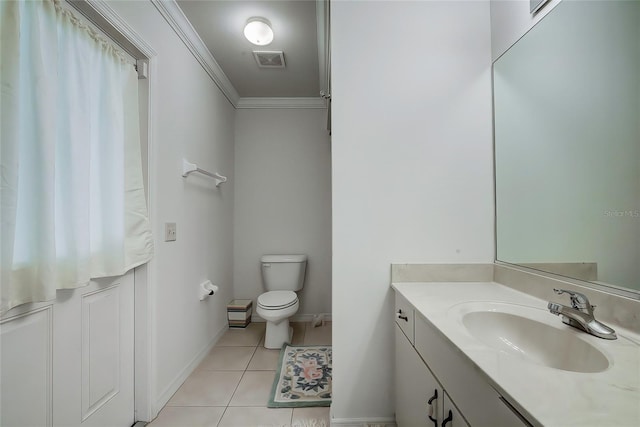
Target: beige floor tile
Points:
(298, 332)
(249, 336)
(255, 417)
(195, 416)
(207, 388)
(254, 389)
(264, 360)
(311, 417)
(318, 336)
(227, 359)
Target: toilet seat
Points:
(277, 300)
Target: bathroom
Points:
(407, 176)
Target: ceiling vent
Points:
(269, 58)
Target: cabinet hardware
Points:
(448, 419)
(400, 316)
(432, 410)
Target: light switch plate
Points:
(170, 233)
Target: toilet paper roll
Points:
(207, 289)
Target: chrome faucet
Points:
(580, 315)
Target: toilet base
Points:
(277, 335)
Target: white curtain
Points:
(73, 202)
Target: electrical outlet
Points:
(170, 233)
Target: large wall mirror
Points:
(567, 145)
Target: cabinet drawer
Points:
(480, 403)
(404, 316)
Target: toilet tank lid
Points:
(283, 258)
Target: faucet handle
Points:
(578, 301)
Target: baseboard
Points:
(363, 422)
(187, 370)
(297, 318)
(309, 317)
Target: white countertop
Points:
(548, 396)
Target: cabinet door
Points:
(418, 394)
(479, 402)
(451, 417)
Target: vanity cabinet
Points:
(418, 393)
(420, 399)
(404, 317)
(451, 417)
(426, 392)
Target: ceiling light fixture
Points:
(258, 31)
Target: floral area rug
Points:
(303, 377)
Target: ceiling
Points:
(220, 24)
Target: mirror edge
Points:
(608, 288)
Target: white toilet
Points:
(282, 275)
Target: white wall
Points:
(283, 199)
(191, 119)
(412, 170)
(510, 20)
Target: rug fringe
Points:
(310, 423)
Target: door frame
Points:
(103, 16)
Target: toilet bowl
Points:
(276, 307)
(282, 276)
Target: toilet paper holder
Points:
(207, 289)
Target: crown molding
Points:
(176, 18)
(317, 103)
(104, 17)
(183, 28)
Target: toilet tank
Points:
(283, 272)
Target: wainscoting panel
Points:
(26, 369)
(100, 348)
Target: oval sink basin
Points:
(532, 340)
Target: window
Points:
(73, 202)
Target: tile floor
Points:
(231, 386)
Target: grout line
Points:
(236, 389)
(255, 350)
(223, 413)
